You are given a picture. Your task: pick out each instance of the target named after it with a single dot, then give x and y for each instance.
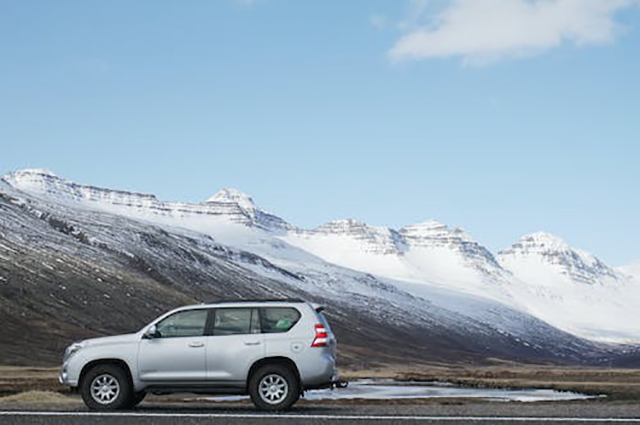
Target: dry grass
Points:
(15, 380)
(39, 384)
(38, 397)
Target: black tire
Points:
(137, 398)
(279, 375)
(116, 384)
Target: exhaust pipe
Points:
(339, 384)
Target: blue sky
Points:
(391, 112)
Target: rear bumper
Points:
(333, 381)
(337, 383)
(317, 369)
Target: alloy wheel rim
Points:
(105, 389)
(273, 389)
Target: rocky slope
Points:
(77, 261)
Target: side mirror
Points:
(150, 333)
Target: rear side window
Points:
(279, 319)
(236, 321)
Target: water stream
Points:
(388, 389)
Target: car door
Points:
(177, 350)
(235, 344)
(276, 324)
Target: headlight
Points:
(71, 350)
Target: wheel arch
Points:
(276, 360)
(101, 362)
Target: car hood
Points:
(117, 339)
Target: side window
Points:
(279, 319)
(232, 321)
(183, 323)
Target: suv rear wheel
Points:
(106, 387)
(274, 387)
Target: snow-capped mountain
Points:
(428, 274)
(427, 254)
(66, 264)
(550, 251)
(540, 274)
(226, 206)
(572, 289)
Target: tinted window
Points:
(183, 323)
(279, 319)
(234, 321)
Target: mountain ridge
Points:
(539, 274)
(236, 197)
(65, 270)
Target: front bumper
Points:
(66, 377)
(63, 378)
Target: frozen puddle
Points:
(387, 389)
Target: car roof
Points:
(318, 308)
(249, 303)
(258, 300)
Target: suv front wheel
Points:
(274, 387)
(106, 387)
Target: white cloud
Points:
(482, 31)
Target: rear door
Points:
(282, 337)
(177, 352)
(235, 344)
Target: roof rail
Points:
(258, 300)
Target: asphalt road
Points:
(487, 413)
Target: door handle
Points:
(252, 343)
(196, 344)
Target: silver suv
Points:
(272, 350)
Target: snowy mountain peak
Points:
(544, 240)
(30, 178)
(431, 230)
(233, 196)
(42, 182)
(430, 223)
(34, 172)
(542, 243)
(339, 240)
(433, 235)
(545, 248)
(226, 206)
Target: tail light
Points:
(320, 339)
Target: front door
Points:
(177, 352)
(235, 345)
